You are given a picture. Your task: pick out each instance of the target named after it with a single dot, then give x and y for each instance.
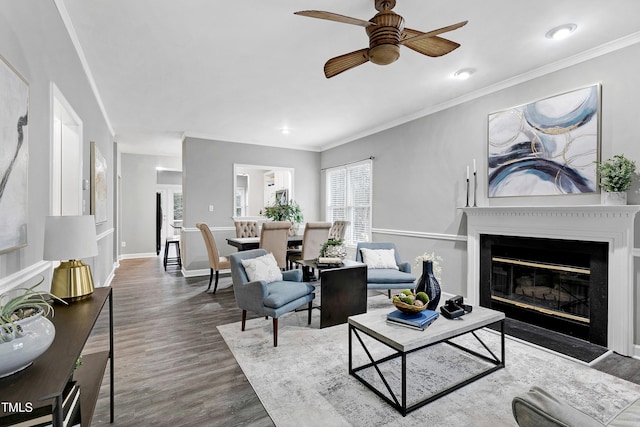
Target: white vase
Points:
(36, 337)
(616, 198)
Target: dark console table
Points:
(41, 384)
(343, 291)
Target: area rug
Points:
(305, 381)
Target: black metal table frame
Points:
(402, 406)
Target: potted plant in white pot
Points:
(333, 248)
(285, 211)
(25, 331)
(616, 175)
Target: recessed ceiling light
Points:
(560, 32)
(285, 131)
(464, 74)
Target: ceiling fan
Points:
(386, 33)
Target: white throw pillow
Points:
(262, 268)
(379, 258)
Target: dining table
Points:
(246, 243)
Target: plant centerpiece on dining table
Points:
(283, 210)
(616, 175)
(25, 331)
(333, 248)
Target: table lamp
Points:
(67, 239)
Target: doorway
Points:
(168, 214)
(66, 158)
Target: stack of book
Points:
(42, 416)
(329, 262)
(414, 320)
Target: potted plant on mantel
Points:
(285, 211)
(616, 175)
(25, 332)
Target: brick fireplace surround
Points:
(610, 224)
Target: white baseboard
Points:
(112, 274)
(140, 255)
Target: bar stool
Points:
(172, 260)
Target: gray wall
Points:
(207, 167)
(416, 205)
(34, 41)
(138, 201)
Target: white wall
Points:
(208, 180)
(138, 201)
(34, 41)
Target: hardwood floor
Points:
(172, 367)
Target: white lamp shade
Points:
(70, 237)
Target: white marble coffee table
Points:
(405, 340)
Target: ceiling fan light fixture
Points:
(384, 54)
(464, 73)
(561, 32)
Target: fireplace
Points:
(611, 225)
(560, 285)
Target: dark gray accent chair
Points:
(268, 299)
(538, 408)
(383, 278)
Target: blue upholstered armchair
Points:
(387, 278)
(269, 299)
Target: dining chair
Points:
(216, 262)
(246, 228)
(338, 230)
(274, 237)
(314, 236)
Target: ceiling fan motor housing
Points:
(384, 37)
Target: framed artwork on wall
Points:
(547, 147)
(14, 158)
(98, 184)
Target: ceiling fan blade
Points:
(341, 63)
(334, 17)
(433, 33)
(431, 46)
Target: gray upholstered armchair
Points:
(386, 278)
(269, 299)
(538, 408)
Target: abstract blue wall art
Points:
(548, 147)
(14, 157)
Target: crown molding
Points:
(66, 20)
(581, 57)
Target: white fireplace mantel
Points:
(598, 223)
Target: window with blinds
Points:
(349, 199)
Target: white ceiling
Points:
(241, 70)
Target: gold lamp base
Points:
(72, 280)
